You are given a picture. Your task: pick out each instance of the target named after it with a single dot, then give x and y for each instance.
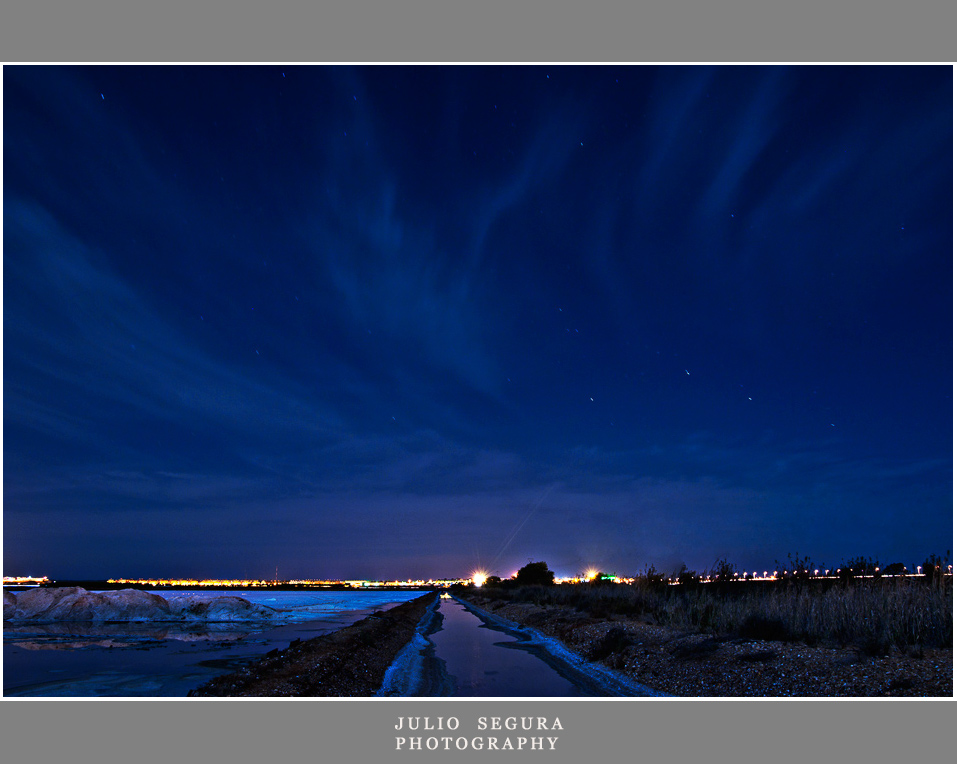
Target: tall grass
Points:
(872, 615)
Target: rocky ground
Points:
(699, 665)
(350, 662)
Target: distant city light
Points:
(25, 580)
(477, 579)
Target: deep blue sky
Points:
(410, 321)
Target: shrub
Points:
(722, 570)
(535, 573)
(766, 628)
(687, 577)
(650, 579)
(933, 569)
(859, 567)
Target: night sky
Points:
(416, 321)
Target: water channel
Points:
(464, 652)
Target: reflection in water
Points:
(69, 635)
(140, 659)
(485, 662)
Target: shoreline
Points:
(349, 662)
(149, 658)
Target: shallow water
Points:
(486, 662)
(164, 659)
(462, 651)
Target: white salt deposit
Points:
(52, 605)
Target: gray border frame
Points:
(346, 731)
(493, 30)
(644, 730)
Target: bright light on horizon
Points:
(479, 578)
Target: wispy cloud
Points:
(92, 339)
(604, 316)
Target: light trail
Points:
(511, 536)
